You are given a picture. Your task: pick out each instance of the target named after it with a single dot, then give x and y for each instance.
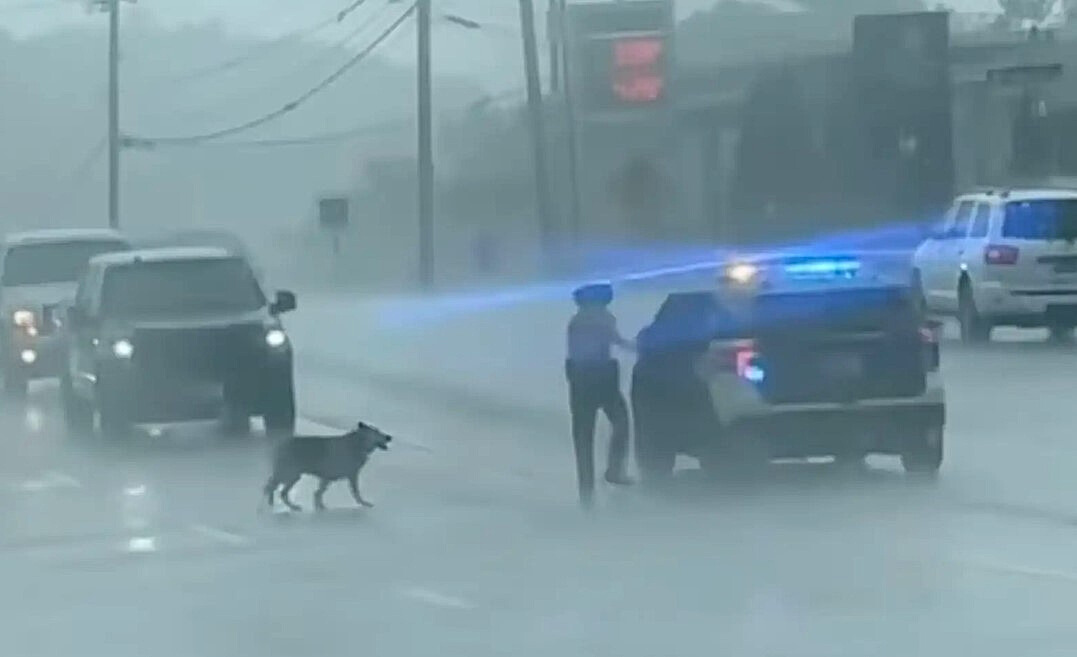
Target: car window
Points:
(82, 294)
(981, 221)
(962, 218)
(180, 287)
(53, 262)
(1046, 219)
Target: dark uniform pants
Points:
(594, 386)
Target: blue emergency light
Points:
(822, 268)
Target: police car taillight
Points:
(740, 357)
(1000, 254)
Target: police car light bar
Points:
(823, 268)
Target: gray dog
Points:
(329, 458)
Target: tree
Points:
(1022, 10)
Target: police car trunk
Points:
(826, 359)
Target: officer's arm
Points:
(620, 340)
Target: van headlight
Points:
(276, 338)
(123, 349)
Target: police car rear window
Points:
(1044, 219)
(874, 309)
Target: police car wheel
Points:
(655, 465)
(738, 458)
(924, 457)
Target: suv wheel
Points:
(924, 456)
(16, 385)
(235, 419)
(112, 415)
(78, 415)
(1060, 333)
(918, 293)
(974, 328)
(279, 415)
(236, 423)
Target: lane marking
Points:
(141, 544)
(220, 535)
(49, 480)
(435, 598)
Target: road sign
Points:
(333, 212)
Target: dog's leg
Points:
(286, 491)
(353, 484)
(269, 490)
(319, 504)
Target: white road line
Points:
(1015, 569)
(435, 598)
(141, 544)
(220, 535)
(49, 480)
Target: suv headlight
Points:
(276, 338)
(123, 348)
(23, 318)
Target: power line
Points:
(32, 5)
(347, 134)
(239, 60)
(343, 43)
(309, 140)
(287, 107)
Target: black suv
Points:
(176, 334)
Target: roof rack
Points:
(990, 190)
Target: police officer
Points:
(594, 383)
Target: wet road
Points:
(156, 547)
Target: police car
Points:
(790, 357)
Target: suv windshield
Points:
(53, 262)
(179, 287)
(1048, 219)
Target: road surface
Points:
(157, 546)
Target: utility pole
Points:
(570, 123)
(114, 144)
(426, 151)
(552, 38)
(538, 127)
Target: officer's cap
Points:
(601, 293)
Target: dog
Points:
(329, 458)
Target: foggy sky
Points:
(490, 58)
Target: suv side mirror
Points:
(284, 303)
(938, 232)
